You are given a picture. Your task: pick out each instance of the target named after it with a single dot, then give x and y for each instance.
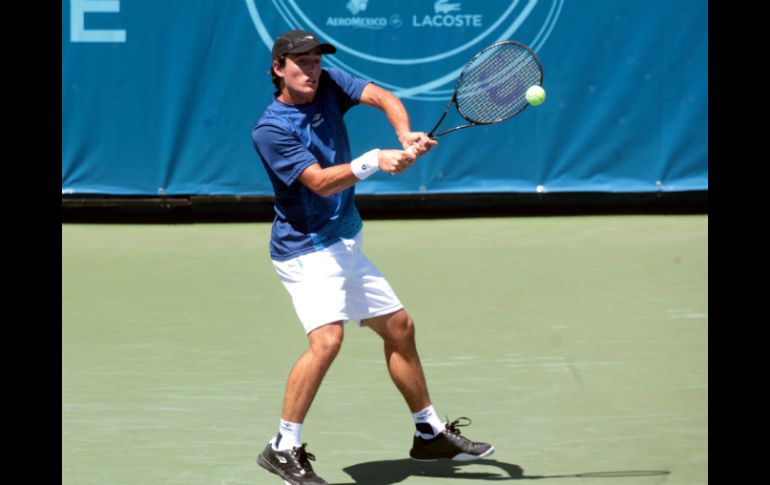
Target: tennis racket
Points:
(491, 87)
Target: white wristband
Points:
(366, 164)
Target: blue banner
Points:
(159, 96)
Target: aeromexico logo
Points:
(359, 20)
(446, 14)
(415, 48)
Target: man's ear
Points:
(277, 68)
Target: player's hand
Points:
(417, 142)
(395, 161)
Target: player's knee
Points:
(401, 329)
(327, 341)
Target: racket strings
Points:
(493, 86)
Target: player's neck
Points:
(289, 97)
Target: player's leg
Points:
(433, 439)
(285, 455)
(315, 283)
(371, 300)
(397, 333)
(309, 370)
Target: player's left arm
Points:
(395, 110)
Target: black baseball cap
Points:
(297, 42)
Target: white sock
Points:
(288, 436)
(427, 417)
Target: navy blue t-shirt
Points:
(290, 138)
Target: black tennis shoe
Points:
(292, 465)
(450, 445)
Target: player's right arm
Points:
(290, 161)
(331, 180)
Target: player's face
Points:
(300, 76)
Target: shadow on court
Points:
(394, 471)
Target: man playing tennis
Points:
(315, 245)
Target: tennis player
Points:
(316, 241)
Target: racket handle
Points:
(410, 149)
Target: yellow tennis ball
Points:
(535, 95)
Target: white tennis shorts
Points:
(338, 283)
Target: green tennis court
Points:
(577, 345)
